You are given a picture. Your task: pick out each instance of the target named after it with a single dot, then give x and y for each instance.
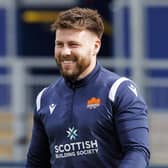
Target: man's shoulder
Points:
(53, 87)
(108, 76)
(48, 93)
(59, 82)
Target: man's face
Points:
(75, 52)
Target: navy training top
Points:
(97, 122)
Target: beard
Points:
(81, 63)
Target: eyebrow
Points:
(58, 41)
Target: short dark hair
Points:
(80, 19)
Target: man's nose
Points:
(66, 51)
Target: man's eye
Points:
(74, 45)
(58, 45)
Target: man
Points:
(90, 117)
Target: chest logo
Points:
(72, 133)
(52, 108)
(93, 103)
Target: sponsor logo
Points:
(72, 133)
(52, 108)
(93, 103)
(75, 148)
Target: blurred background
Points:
(135, 44)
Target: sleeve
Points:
(132, 125)
(38, 153)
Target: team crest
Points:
(93, 103)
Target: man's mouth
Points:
(68, 62)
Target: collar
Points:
(85, 80)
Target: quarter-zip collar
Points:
(85, 80)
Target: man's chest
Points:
(87, 112)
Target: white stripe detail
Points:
(115, 86)
(38, 100)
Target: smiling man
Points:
(90, 117)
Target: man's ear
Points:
(97, 46)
